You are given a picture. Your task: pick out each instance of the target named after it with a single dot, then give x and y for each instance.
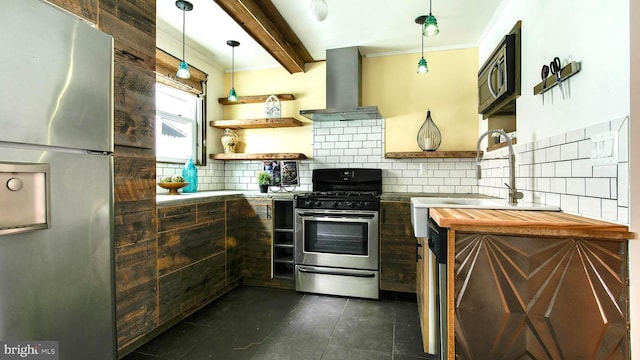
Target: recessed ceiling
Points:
(378, 27)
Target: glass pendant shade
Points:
(429, 137)
(422, 66)
(318, 9)
(183, 71)
(232, 95)
(430, 27)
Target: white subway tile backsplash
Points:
(623, 184)
(569, 151)
(609, 210)
(608, 171)
(558, 185)
(598, 129)
(552, 154)
(576, 186)
(598, 187)
(576, 135)
(563, 168)
(569, 203)
(548, 170)
(581, 168)
(585, 148)
(590, 206)
(558, 139)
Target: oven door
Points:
(337, 238)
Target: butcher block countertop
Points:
(530, 223)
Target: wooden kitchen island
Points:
(534, 284)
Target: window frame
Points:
(198, 149)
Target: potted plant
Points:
(264, 180)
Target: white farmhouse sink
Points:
(420, 208)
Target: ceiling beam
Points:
(264, 23)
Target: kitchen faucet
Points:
(514, 194)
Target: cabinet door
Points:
(397, 248)
(548, 298)
(257, 247)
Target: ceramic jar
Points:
(229, 141)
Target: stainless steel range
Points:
(336, 233)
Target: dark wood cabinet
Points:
(397, 247)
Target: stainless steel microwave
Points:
(497, 77)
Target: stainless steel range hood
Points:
(344, 89)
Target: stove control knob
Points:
(365, 204)
(334, 204)
(317, 203)
(360, 204)
(308, 203)
(350, 204)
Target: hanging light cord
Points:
(429, 7)
(183, 27)
(422, 38)
(233, 50)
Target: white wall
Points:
(565, 29)
(634, 171)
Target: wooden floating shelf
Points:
(258, 156)
(254, 99)
(567, 71)
(430, 154)
(255, 123)
(501, 145)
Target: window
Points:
(179, 119)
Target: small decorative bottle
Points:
(190, 175)
(429, 137)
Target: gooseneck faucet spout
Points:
(514, 194)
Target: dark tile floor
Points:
(261, 323)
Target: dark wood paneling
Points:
(236, 214)
(134, 106)
(211, 212)
(541, 298)
(136, 312)
(176, 217)
(190, 287)
(179, 248)
(139, 15)
(257, 247)
(87, 9)
(134, 179)
(397, 248)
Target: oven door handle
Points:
(337, 215)
(337, 272)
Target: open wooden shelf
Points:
(430, 154)
(254, 99)
(501, 145)
(258, 156)
(256, 123)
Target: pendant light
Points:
(430, 26)
(233, 96)
(318, 10)
(422, 64)
(183, 68)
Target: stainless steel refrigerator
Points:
(56, 184)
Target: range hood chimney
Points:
(344, 88)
